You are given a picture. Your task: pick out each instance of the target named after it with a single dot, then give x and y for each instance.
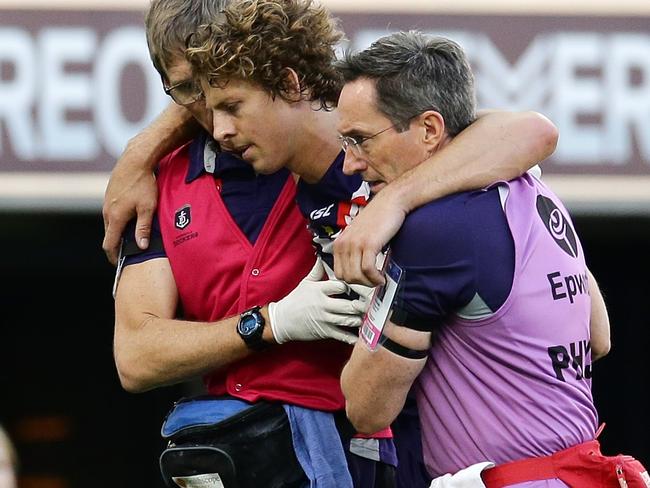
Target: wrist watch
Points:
(250, 328)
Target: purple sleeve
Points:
(132, 254)
(450, 251)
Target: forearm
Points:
(498, 146)
(171, 129)
(152, 348)
(370, 403)
(132, 190)
(160, 351)
(375, 383)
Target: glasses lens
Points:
(344, 143)
(185, 93)
(355, 146)
(349, 144)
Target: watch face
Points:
(248, 325)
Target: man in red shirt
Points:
(152, 347)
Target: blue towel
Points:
(318, 448)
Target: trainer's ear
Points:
(291, 85)
(433, 125)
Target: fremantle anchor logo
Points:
(557, 225)
(183, 217)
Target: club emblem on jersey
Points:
(183, 217)
(557, 225)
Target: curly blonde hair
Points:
(259, 40)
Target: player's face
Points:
(252, 124)
(179, 75)
(375, 149)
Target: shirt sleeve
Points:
(449, 252)
(130, 251)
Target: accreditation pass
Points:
(382, 301)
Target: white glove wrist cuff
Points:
(277, 335)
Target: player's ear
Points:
(290, 87)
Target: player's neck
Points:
(318, 145)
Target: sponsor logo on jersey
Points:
(183, 217)
(571, 359)
(557, 225)
(186, 236)
(321, 212)
(568, 287)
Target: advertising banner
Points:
(76, 83)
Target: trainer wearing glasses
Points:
(489, 310)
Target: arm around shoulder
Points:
(522, 139)
(131, 190)
(498, 146)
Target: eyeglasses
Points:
(354, 142)
(184, 92)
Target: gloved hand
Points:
(364, 292)
(365, 296)
(310, 313)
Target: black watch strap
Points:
(250, 328)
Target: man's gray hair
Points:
(415, 73)
(170, 23)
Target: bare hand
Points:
(357, 248)
(131, 192)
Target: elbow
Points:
(132, 383)
(600, 349)
(132, 376)
(366, 421)
(546, 133)
(130, 380)
(363, 407)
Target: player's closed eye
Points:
(231, 108)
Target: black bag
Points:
(224, 442)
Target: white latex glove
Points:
(310, 313)
(364, 292)
(365, 297)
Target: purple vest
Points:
(517, 384)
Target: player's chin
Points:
(263, 162)
(262, 166)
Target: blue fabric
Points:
(318, 447)
(129, 236)
(249, 197)
(203, 411)
(326, 204)
(474, 254)
(411, 470)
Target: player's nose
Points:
(222, 127)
